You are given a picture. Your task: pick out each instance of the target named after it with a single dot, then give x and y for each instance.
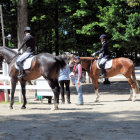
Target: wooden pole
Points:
(2, 25)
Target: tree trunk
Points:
(22, 19)
(56, 30)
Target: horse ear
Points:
(71, 56)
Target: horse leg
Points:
(56, 90)
(95, 84)
(13, 84)
(132, 85)
(131, 95)
(23, 90)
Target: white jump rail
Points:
(38, 87)
(46, 88)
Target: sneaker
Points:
(68, 102)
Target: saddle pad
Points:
(107, 65)
(26, 64)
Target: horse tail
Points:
(60, 61)
(136, 82)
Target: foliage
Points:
(133, 3)
(80, 23)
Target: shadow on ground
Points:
(71, 126)
(117, 87)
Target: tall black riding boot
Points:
(103, 71)
(21, 70)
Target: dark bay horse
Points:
(43, 64)
(121, 65)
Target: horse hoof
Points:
(23, 107)
(129, 99)
(55, 107)
(10, 107)
(96, 101)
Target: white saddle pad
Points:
(107, 65)
(26, 64)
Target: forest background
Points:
(75, 25)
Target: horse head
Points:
(7, 54)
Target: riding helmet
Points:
(76, 57)
(27, 29)
(103, 36)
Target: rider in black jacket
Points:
(30, 49)
(105, 54)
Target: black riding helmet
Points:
(27, 29)
(102, 36)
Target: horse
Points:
(120, 65)
(43, 64)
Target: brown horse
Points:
(43, 64)
(121, 65)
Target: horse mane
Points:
(9, 49)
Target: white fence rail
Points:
(42, 88)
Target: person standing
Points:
(64, 80)
(30, 49)
(77, 70)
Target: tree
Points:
(133, 3)
(22, 19)
(121, 23)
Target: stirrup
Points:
(103, 76)
(21, 75)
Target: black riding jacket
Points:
(104, 50)
(30, 43)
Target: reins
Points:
(14, 57)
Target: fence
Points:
(39, 87)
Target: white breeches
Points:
(23, 56)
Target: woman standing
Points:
(64, 80)
(77, 70)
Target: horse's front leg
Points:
(95, 84)
(23, 90)
(13, 86)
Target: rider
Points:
(105, 55)
(30, 49)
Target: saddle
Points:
(108, 63)
(27, 63)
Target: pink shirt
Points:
(79, 70)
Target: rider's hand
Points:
(94, 54)
(19, 52)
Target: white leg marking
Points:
(134, 95)
(131, 94)
(55, 107)
(97, 95)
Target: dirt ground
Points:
(113, 118)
